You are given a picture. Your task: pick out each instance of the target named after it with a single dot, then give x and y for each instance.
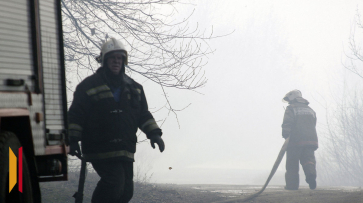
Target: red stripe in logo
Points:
(20, 169)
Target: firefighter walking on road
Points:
(300, 125)
(107, 109)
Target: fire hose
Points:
(274, 168)
(82, 177)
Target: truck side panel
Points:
(16, 53)
(52, 67)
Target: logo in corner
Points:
(16, 170)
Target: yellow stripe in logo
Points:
(12, 170)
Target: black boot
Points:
(292, 181)
(312, 184)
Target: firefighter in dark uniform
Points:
(300, 125)
(106, 112)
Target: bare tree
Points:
(161, 48)
(342, 160)
(355, 53)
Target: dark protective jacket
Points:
(300, 124)
(105, 127)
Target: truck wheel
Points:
(8, 139)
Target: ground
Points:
(62, 192)
(277, 194)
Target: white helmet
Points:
(109, 46)
(290, 96)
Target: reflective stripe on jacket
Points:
(105, 127)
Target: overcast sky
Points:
(231, 133)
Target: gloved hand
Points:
(75, 150)
(157, 139)
(285, 135)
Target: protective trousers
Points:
(307, 160)
(116, 184)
